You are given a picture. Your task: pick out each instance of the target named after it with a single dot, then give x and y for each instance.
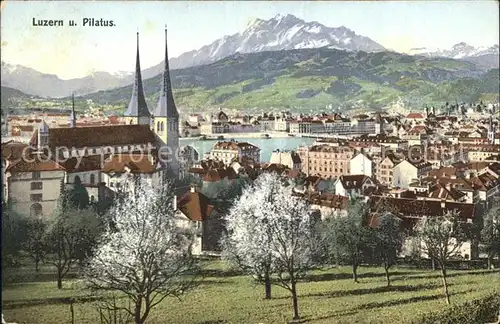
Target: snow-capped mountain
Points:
(33, 82)
(458, 51)
(282, 32)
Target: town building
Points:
(353, 186)
(361, 164)
(227, 152)
(406, 172)
(288, 158)
(325, 160)
(195, 212)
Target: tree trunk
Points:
(137, 312)
(267, 284)
(489, 262)
(59, 278)
(72, 310)
(37, 268)
(445, 284)
(295, 301)
(355, 271)
(433, 264)
(387, 277)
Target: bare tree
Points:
(347, 237)
(70, 231)
(441, 238)
(388, 242)
(147, 253)
(34, 245)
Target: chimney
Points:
(175, 202)
(193, 189)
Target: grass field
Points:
(325, 296)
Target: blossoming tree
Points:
(271, 232)
(145, 254)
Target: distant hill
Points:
(11, 97)
(41, 84)
(312, 78)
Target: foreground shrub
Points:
(480, 310)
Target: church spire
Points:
(137, 106)
(72, 118)
(166, 105)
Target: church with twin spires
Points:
(164, 119)
(103, 158)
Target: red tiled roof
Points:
(440, 191)
(405, 207)
(330, 149)
(34, 163)
(23, 128)
(234, 146)
(14, 150)
(135, 163)
(87, 163)
(325, 199)
(419, 129)
(415, 116)
(485, 182)
(195, 205)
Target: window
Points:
(36, 185)
(36, 197)
(36, 210)
(92, 178)
(35, 175)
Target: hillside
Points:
(12, 97)
(312, 78)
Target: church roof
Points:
(137, 106)
(166, 105)
(80, 137)
(133, 163)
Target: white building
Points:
(407, 172)
(353, 186)
(289, 158)
(361, 164)
(34, 184)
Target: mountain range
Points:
(487, 57)
(311, 78)
(280, 33)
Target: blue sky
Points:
(77, 51)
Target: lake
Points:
(267, 146)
